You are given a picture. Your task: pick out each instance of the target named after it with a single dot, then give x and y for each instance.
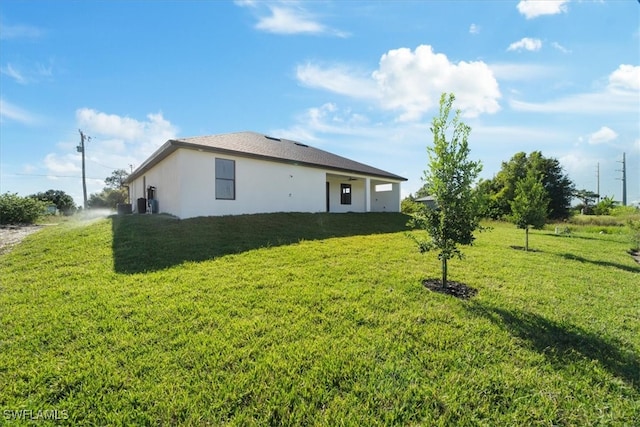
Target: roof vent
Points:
(272, 138)
(301, 144)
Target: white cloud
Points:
(328, 119)
(9, 111)
(414, 81)
(28, 74)
(580, 166)
(116, 143)
(625, 77)
(338, 79)
(44, 70)
(109, 124)
(288, 18)
(526, 43)
(559, 47)
(521, 71)
(534, 8)
(8, 32)
(622, 95)
(603, 135)
(15, 74)
(64, 165)
(474, 29)
(289, 21)
(411, 82)
(29, 168)
(147, 135)
(586, 103)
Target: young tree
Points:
(108, 198)
(409, 206)
(560, 189)
(116, 180)
(449, 179)
(529, 205)
(587, 197)
(113, 193)
(604, 206)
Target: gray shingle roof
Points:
(255, 145)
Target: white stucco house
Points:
(247, 172)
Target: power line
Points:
(104, 166)
(49, 175)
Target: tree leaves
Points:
(449, 179)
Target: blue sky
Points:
(361, 79)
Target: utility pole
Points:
(624, 179)
(84, 180)
(598, 180)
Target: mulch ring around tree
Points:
(455, 289)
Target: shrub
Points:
(597, 220)
(629, 211)
(409, 205)
(20, 210)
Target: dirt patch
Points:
(11, 235)
(455, 289)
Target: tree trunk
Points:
(444, 272)
(526, 239)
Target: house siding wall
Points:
(185, 183)
(263, 187)
(385, 201)
(166, 178)
(357, 194)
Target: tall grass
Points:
(296, 319)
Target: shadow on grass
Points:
(570, 236)
(521, 248)
(154, 242)
(563, 344)
(578, 258)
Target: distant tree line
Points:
(62, 201)
(498, 194)
(15, 209)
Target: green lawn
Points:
(315, 319)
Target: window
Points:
(225, 179)
(345, 194)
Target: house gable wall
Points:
(185, 185)
(166, 178)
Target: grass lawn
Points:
(315, 319)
